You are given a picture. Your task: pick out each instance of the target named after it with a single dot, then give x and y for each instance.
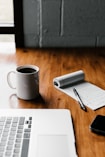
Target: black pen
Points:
(79, 100)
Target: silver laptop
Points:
(36, 133)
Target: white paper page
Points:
(92, 95)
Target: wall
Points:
(64, 23)
(31, 22)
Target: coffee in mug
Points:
(27, 81)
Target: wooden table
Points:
(53, 63)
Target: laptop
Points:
(36, 133)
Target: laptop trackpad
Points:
(53, 146)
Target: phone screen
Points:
(98, 125)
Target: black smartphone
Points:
(98, 125)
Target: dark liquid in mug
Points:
(26, 70)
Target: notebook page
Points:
(92, 95)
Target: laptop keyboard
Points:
(15, 136)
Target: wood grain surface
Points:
(53, 63)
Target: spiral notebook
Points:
(92, 95)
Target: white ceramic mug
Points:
(27, 81)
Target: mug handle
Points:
(9, 79)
